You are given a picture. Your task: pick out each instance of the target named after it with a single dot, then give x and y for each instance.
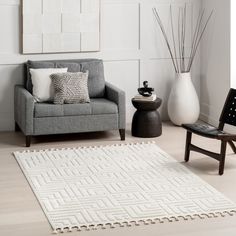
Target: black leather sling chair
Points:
(228, 116)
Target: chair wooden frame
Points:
(228, 116)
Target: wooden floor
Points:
(21, 215)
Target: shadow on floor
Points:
(207, 165)
(18, 139)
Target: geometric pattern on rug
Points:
(92, 187)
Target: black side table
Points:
(146, 120)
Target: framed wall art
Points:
(57, 26)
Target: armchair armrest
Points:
(24, 109)
(117, 96)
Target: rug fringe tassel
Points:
(83, 147)
(145, 222)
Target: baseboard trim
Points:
(208, 119)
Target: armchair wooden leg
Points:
(187, 149)
(222, 158)
(122, 134)
(17, 128)
(27, 140)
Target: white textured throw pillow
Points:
(43, 89)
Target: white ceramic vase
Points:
(183, 103)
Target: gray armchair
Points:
(106, 111)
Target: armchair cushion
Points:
(53, 110)
(101, 106)
(98, 106)
(96, 80)
(72, 66)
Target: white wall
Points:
(233, 44)
(215, 60)
(131, 47)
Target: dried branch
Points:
(195, 37)
(199, 39)
(179, 38)
(179, 62)
(165, 36)
(173, 37)
(184, 35)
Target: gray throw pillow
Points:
(70, 87)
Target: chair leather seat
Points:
(203, 129)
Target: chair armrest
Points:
(117, 96)
(24, 109)
(227, 137)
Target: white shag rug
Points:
(106, 186)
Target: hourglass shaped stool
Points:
(146, 120)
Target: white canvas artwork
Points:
(52, 26)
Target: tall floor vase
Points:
(183, 103)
